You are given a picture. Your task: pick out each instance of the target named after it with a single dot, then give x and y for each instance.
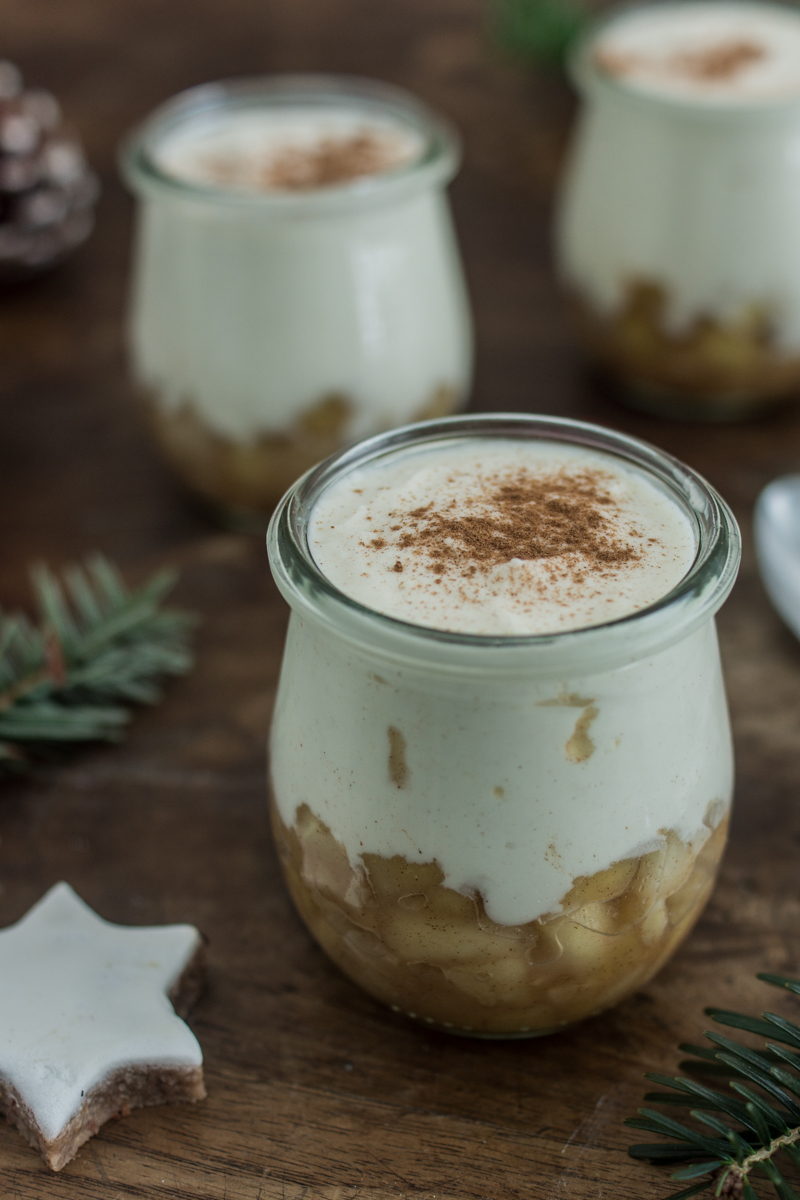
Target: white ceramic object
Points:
(777, 536)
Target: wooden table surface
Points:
(314, 1090)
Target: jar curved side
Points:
(269, 330)
(678, 245)
(263, 348)
(499, 859)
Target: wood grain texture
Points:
(315, 1092)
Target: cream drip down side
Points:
(500, 537)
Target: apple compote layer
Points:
(249, 475)
(431, 952)
(714, 368)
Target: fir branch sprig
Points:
(754, 1127)
(541, 30)
(97, 648)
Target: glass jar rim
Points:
(435, 165)
(590, 80)
(694, 600)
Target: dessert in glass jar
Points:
(500, 758)
(297, 283)
(678, 236)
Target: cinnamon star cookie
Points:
(87, 1025)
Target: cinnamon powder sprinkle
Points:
(713, 64)
(566, 514)
(718, 64)
(614, 62)
(304, 168)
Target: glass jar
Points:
(678, 240)
(270, 328)
(501, 835)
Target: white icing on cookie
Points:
(80, 998)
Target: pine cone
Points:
(47, 190)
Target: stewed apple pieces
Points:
(434, 953)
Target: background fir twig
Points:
(97, 648)
(741, 1129)
(541, 30)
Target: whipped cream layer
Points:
(287, 147)
(714, 53)
(516, 787)
(502, 537)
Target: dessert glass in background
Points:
(297, 282)
(678, 236)
(500, 757)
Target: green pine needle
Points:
(543, 30)
(748, 1130)
(97, 648)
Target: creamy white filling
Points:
(492, 789)
(252, 323)
(715, 53)
(360, 527)
(242, 144)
